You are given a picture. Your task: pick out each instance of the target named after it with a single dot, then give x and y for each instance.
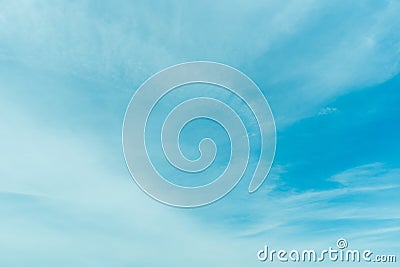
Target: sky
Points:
(329, 70)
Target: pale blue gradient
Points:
(330, 72)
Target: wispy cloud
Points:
(327, 110)
(67, 72)
(364, 193)
(337, 51)
(63, 202)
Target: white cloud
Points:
(63, 202)
(366, 193)
(83, 209)
(303, 54)
(327, 110)
(373, 174)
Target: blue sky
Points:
(330, 72)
